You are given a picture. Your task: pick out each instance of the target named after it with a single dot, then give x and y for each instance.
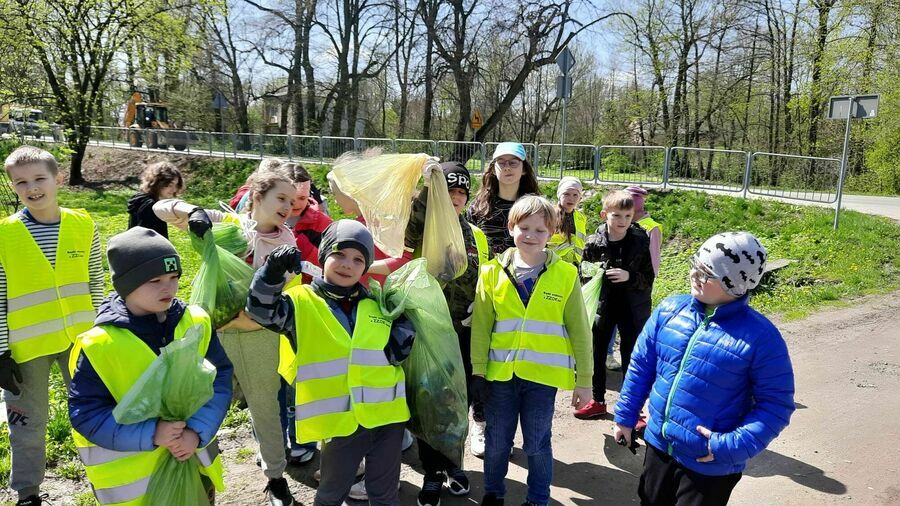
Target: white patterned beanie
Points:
(737, 259)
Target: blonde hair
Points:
(159, 175)
(25, 155)
(530, 205)
(619, 200)
(263, 181)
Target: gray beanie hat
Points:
(347, 234)
(736, 258)
(137, 256)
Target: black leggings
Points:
(603, 332)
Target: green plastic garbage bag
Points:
(435, 378)
(229, 237)
(222, 282)
(175, 385)
(590, 291)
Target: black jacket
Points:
(639, 287)
(140, 214)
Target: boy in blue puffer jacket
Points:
(718, 376)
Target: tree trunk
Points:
(823, 8)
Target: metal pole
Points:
(597, 157)
(840, 189)
(562, 144)
(747, 173)
(667, 161)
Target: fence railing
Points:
(784, 176)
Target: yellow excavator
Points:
(148, 122)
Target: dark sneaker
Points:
(300, 456)
(278, 492)
(430, 495)
(491, 500)
(33, 500)
(457, 482)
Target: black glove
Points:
(282, 259)
(199, 222)
(481, 390)
(10, 375)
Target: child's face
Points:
(570, 200)
(344, 267)
(301, 201)
(508, 169)
(617, 220)
(706, 287)
(531, 234)
(273, 208)
(154, 296)
(459, 198)
(170, 191)
(35, 186)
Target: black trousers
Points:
(665, 482)
(604, 329)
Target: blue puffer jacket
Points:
(729, 372)
(91, 403)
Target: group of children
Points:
(717, 373)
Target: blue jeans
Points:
(288, 427)
(509, 402)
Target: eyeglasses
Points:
(512, 164)
(700, 271)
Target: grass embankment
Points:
(858, 259)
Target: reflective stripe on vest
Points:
(47, 305)
(481, 244)
(120, 357)
(342, 383)
(531, 342)
(572, 250)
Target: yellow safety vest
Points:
(648, 224)
(47, 306)
(342, 383)
(531, 342)
(481, 243)
(571, 251)
(120, 357)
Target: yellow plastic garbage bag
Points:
(442, 242)
(383, 187)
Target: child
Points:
(568, 241)
(508, 177)
(252, 349)
(350, 387)
(721, 377)
(293, 171)
(306, 220)
(46, 300)
(460, 294)
(530, 337)
(132, 325)
(383, 264)
(653, 228)
(621, 246)
(159, 181)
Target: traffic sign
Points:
(866, 106)
(219, 101)
(563, 87)
(476, 120)
(565, 61)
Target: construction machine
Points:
(23, 120)
(148, 122)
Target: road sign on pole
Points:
(476, 120)
(847, 108)
(564, 84)
(565, 61)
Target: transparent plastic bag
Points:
(175, 385)
(222, 282)
(435, 378)
(383, 187)
(229, 237)
(590, 291)
(442, 244)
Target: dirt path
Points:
(841, 447)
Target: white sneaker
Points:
(611, 363)
(358, 491)
(476, 443)
(407, 440)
